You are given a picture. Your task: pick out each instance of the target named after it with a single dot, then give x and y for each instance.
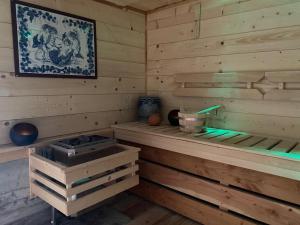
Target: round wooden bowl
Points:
(192, 122)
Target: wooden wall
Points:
(212, 36)
(65, 106)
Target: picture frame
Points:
(53, 44)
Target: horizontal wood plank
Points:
(258, 208)
(262, 61)
(219, 77)
(256, 41)
(219, 93)
(188, 207)
(274, 186)
(262, 19)
(102, 194)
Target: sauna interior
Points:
(192, 115)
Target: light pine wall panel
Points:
(233, 36)
(121, 62)
(66, 106)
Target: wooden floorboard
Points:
(124, 209)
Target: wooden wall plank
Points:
(115, 68)
(260, 61)
(6, 40)
(267, 18)
(263, 107)
(256, 41)
(5, 14)
(283, 95)
(283, 76)
(211, 9)
(278, 126)
(179, 15)
(120, 35)
(172, 34)
(43, 106)
(108, 50)
(220, 77)
(6, 60)
(68, 124)
(219, 93)
(18, 86)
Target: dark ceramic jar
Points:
(147, 106)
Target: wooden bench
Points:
(218, 177)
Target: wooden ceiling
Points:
(144, 5)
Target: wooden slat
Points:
(214, 134)
(296, 149)
(263, 161)
(48, 197)
(49, 183)
(188, 207)
(95, 197)
(102, 180)
(92, 168)
(266, 144)
(284, 146)
(48, 167)
(226, 136)
(219, 77)
(258, 208)
(219, 93)
(274, 186)
(237, 139)
(251, 141)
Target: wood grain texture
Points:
(235, 36)
(246, 179)
(198, 211)
(219, 93)
(47, 102)
(266, 161)
(257, 208)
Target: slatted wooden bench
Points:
(220, 176)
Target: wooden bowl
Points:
(192, 122)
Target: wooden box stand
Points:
(72, 189)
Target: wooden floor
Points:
(125, 209)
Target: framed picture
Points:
(50, 43)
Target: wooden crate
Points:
(72, 189)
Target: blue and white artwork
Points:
(50, 43)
